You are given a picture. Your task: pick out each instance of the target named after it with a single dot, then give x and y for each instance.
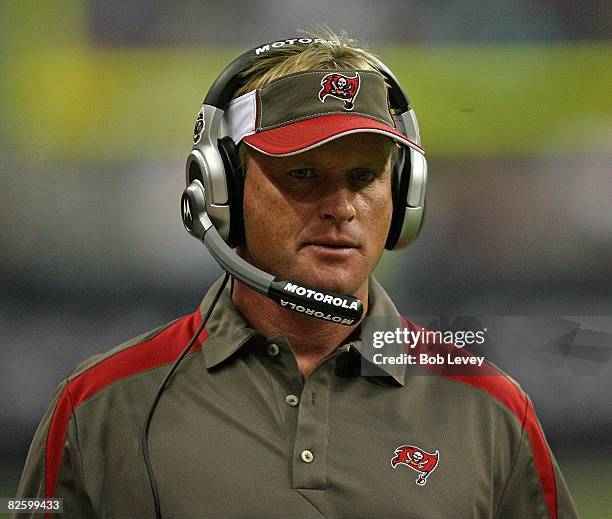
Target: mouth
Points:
(333, 243)
(332, 247)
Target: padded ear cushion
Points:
(235, 188)
(399, 191)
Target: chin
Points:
(327, 279)
(345, 279)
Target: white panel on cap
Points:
(239, 117)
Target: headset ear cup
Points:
(422, 218)
(400, 182)
(235, 187)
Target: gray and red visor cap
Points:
(301, 111)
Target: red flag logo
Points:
(341, 87)
(418, 460)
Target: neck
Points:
(311, 339)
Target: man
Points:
(273, 413)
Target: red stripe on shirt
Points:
(511, 397)
(162, 349)
(543, 461)
(490, 379)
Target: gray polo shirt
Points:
(238, 433)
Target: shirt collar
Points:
(227, 329)
(384, 314)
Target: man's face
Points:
(320, 217)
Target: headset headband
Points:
(231, 79)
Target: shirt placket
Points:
(309, 460)
(307, 414)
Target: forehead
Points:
(364, 150)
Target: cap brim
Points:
(305, 135)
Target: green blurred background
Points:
(76, 100)
(98, 104)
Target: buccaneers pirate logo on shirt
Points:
(418, 460)
(341, 87)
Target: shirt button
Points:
(273, 350)
(307, 456)
(292, 400)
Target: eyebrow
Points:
(378, 165)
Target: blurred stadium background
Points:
(98, 101)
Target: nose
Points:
(338, 205)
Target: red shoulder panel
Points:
(162, 349)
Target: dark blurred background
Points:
(98, 101)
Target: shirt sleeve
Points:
(53, 465)
(535, 487)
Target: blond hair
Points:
(330, 51)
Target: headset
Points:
(211, 205)
(211, 208)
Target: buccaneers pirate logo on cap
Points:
(418, 460)
(341, 87)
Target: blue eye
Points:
(301, 174)
(364, 175)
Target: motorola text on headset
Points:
(211, 209)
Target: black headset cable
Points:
(162, 387)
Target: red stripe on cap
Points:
(488, 378)
(302, 135)
(162, 349)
